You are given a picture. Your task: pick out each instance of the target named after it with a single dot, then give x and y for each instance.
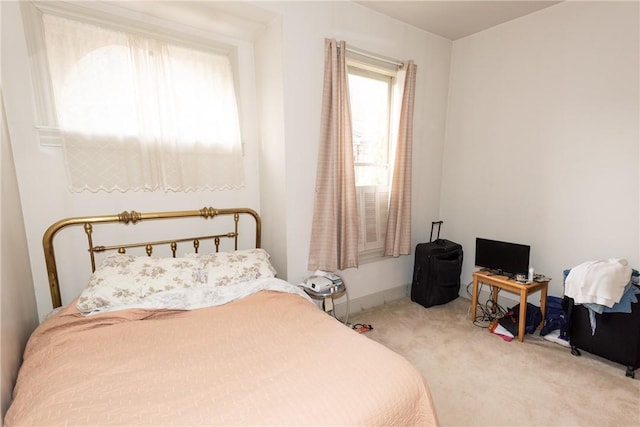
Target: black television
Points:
(502, 258)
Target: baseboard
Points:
(367, 302)
(377, 299)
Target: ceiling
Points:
(456, 19)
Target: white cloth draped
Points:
(599, 282)
(209, 296)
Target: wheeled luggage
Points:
(436, 271)
(616, 336)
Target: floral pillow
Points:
(229, 268)
(126, 280)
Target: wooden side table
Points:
(523, 289)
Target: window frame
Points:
(361, 66)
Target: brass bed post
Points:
(88, 229)
(258, 220)
(236, 218)
(50, 256)
(52, 272)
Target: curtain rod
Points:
(374, 56)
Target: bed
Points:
(202, 339)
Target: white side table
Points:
(328, 296)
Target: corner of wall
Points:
(272, 153)
(18, 311)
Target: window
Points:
(371, 93)
(104, 81)
(138, 109)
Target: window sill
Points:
(367, 257)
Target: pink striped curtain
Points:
(334, 232)
(398, 237)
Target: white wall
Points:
(273, 177)
(542, 137)
(18, 313)
(305, 25)
(40, 170)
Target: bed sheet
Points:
(270, 358)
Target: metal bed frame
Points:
(133, 218)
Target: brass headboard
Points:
(134, 217)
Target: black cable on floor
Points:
(489, 311)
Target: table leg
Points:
(494, 298)
(523, 315)
(474, 299)
(543, 303)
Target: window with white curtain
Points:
(370, 96)
(141, 112)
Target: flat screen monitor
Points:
(502, 257)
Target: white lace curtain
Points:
(137, 113)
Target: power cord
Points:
(489, 311)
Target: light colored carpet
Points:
(478, 379)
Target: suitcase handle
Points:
(433, 224)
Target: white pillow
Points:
(230, 268)
(125, 280)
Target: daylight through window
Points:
(142, 113)
(370, 94)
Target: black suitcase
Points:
(436, 271)
(616, 338)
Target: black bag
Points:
(511, 319)
(556, 318)
(436, 271)
(616, 337)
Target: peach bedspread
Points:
(267, 359)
